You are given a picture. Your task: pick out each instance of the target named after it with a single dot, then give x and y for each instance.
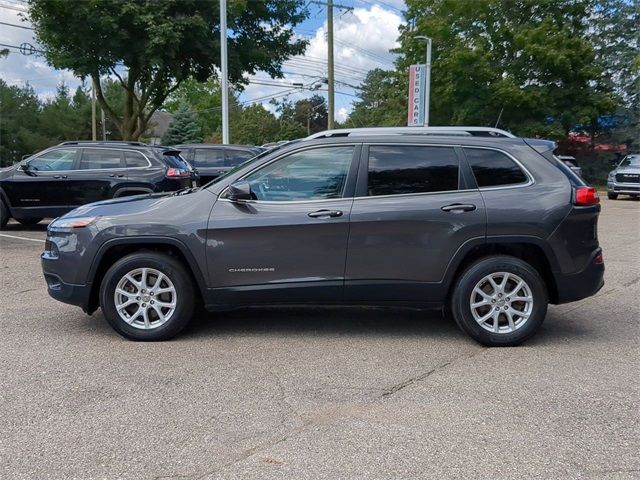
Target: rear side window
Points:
(208, 157)
(135, 160)
(399, 169)
(492, 168)
(100, 159)
(236, 157)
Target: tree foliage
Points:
(383, 100)
(152, 47)
(184, 128)
(533, 61)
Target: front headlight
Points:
(69, 223)
(612, 176)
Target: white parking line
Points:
(21, 238)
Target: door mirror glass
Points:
(240, 190)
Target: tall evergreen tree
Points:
(184, 128)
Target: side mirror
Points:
(26, 168)
(239, 191)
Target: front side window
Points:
(492, 168)
(631, 160)
(100, 159)
(404, 169)
(316, 174)
(54, 160)
(208, 157)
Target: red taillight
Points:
(599, 259)
(586, 196)
(176, 172)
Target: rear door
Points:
(209, 162)
(100, 172)
(413, 210)
(290, 243)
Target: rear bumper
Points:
(582, 284)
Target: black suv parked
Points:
(212, 160)
(61, 178)
(493, 228)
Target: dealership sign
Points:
(417, 90)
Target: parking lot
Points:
(320, 393)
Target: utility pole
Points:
(330, 79)
(224, 73)
(104, 127)
(94, 129)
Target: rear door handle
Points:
(325, 213)
(60, 176)
(458, 208)
(120, 175)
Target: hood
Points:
(6, 172)
(132, 205)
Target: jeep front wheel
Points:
(147, 296)
(500, 301)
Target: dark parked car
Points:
(61, 178)
(493, 228)
(211, 160)
(571, 162)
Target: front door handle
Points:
(458, 208)
(120, 175)
(325, 213)
(60, 176)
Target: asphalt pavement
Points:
(322, 393)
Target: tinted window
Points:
(309, 175)
(396, 170)
(631, 160)
(208, 157)
(55, 160)
(236, 157)
(174, 160)
(492, 168)
(135, 160)
(93, 159)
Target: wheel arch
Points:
(113, 250)
(532, 250)
(127, 191)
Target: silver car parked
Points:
(625, 179)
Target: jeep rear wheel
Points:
(147, 296)
(500, 301)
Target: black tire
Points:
(165, 264)
(4, 215)
(467, 281)
(29, 221)
(612, 196)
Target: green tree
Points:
(184, 128)
(533, 61)
(254, 125)
(383, 101)
(151, 47)
(205, 98)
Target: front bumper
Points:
(583, 284)
(68, 293)
(624, 188)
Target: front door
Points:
(43, 183)
(289, 244)
(412, 212)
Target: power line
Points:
(17, 26)
(9, 7)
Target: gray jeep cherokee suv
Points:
(494, 229)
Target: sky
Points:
(363, 36)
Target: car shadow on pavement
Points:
(13, 226)
(379, 322)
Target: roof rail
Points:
(447, 131)
(103, 142)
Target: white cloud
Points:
(362, 40)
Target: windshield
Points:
(173, 159)
(630, 160)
